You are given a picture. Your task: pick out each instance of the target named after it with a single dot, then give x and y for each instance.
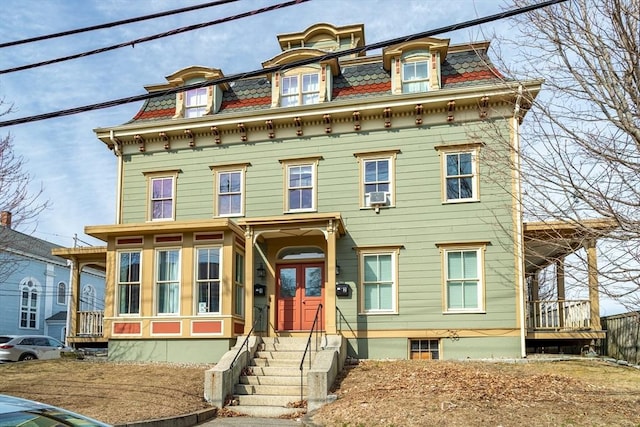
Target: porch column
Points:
(594, 291)
(330, 292)
(249, 279)
(560, 290)
(73, 300)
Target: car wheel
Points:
(27, 356)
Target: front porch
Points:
(551, 319)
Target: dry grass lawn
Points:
(373, 393)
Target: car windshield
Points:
(43, 418)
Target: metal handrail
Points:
(246, 340)
(304, 355)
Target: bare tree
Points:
(581, 138)
(16, 198)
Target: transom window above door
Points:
(300, 89)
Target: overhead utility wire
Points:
(173, 32)
(172, 91)
(115, 23)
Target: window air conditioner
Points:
(377, 198)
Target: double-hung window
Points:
(168, 281)
(377, 171)
(300, 184)
(129, 282)
(162, 198)
(229, 188)
(300, 89)
(208, 279)
(463, 269)
(195, 102)
(238, 282)
(379, 281)
(415, 76)
(460, 173)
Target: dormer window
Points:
(195, 103)
(415, 76)
(302, 89)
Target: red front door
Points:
(300, 291)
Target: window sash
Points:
(378, 282)
(195, 102)
(459, 176)
(162, 198)
(129, 283)
(230, 193)
(463, 280)
(29, 308)
(62, 293)
(302, 89)
(239, 284)
(300, 187)
(167, 281)
(208, 279)
(377, 177)
(415, 76)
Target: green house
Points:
(375, 195)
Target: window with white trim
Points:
(89, 299)
(29, 304)
(128, 286)
(168, 281)
(230, 192)
(162, 191)
(463, 269)
(300, 184)
(61, 297)
(379, 281)
(300, 89)
(377, 175)
(208, 279)
(415, 76)
(195, 102)
(460, 182)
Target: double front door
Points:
(300, 289)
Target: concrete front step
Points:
(285, 355)
(270, 390)
(289, 363)
(278, 371)
(273, 380)
(286, 344)
(267, 400)
(265, 411)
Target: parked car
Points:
(15, 411)
(14, 348)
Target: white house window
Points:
(129, 282)
(230, 186)
(88, 301)
(208, 279)
(168, 281)
(377, 179)
(379, 281)
(301, 89)
(460, 177)
(62, 293)
(29, 305)
(300, 187)
(415, 76)
(162, 201)
(195, 103)
(463, 279)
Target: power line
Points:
(173, 32)
(115, 23)
(172, 91)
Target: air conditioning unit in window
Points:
(377, 198)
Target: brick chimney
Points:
(5, 219)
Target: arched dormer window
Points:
(415, 65)
(62, 293)
(195, 102)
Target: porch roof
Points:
(547, 241)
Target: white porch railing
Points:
(563, 315)
(90, 323)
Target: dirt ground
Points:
(371, 393)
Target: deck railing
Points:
(90, 323)
(559, 315)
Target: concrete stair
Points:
(272, 381)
